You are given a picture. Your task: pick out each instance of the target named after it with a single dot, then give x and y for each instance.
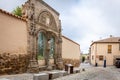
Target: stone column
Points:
(59, 61)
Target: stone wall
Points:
(13, 63)
(74, 62)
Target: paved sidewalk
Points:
(25, 76)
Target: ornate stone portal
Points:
(44, 34)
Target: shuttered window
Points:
(109, 48)
(101, 58)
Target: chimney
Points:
(111, 36)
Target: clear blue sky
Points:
(82, 20)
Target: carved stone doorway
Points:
(46, 50)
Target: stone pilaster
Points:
(33, 64)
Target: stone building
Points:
(33, 42)
(106, 49)
(34, 39)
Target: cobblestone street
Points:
(95, 73)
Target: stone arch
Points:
(47, 19)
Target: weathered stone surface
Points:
(41, 76)
(74, 62)
(43, 19)
(13, 64)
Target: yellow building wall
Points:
(13, 34)
(70, 49)
(102, 49)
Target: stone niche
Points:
(13, 63)
(74, 62)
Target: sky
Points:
(83, 21)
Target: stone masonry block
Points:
(41, 76)
(63, 73)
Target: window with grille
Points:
(101, 58)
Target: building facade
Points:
(70, 52)
(105, 50)
(44, 34)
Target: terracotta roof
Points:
(8, 13)
(108, 40)
(111, 39)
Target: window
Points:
(41, 45)
(101, 58)
(109, 48)
(92, 57)
(119, 46)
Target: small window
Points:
(119, 46)
(92, 57)
(109, 48)
(101, 58)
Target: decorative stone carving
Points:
(31, 12)
(45, 18)
(33, 64)
(32, 29)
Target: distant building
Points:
(106, 49)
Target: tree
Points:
(17, 11)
